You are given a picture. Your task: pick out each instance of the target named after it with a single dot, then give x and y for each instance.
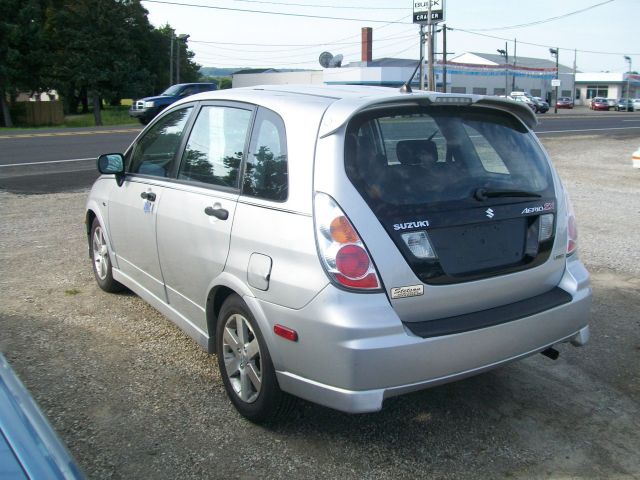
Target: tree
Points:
(93, 47)
(23, 50)
(224, 83)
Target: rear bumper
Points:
(353, 401)
(353, 351)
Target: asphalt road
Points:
(591, 123)
(58, 160)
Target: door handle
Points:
(219, 213)
(149, 196)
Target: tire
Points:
(100, 260)
(245, 365)
(143, 121)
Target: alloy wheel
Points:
(100, 254)
(242, 360)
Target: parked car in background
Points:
(145, 109)
(636, 104)
(536, 103)
(29, 447)
(612, 103)
(599, 103)
(413, 239)
(527, 101)
(543, 106)
(625, 105)
(564, 102)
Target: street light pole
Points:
(628, 59)
(555, 52)
(505, 54)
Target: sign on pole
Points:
(555, 82)
(421, 11)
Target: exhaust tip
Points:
(551, 352)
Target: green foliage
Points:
(110, 116)
(102, 49)
(224, 83)
(23, 50)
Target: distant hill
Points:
(226, 72)
(218, 72)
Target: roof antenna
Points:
(406, 88)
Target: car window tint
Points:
(440, 154)
(215, 147)
(189, 91)
(155, 152)
(487, 155)
(266, 172)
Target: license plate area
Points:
(466, 249)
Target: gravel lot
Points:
(135, 398)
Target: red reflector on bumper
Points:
(285, 332)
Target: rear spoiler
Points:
(343, 110)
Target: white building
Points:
(471, 72)
(607, 85)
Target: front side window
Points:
(266, 174)
(215, 147)
(155, 152)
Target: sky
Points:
(236, 34)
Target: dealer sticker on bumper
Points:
(408, 291)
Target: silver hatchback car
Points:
(343, 244)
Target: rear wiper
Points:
(481, 194)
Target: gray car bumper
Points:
(354, 357)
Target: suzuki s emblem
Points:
(489, 212)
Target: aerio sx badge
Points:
(408, 291)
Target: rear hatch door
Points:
(467, 197)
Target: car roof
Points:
(342, 102)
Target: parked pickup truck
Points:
(147, 108)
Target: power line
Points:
(288, 49)
(323, 17)
(471, 32)
(322, 6)
(538, 22)
(210, 56)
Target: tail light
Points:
(572, 226)
(342, 251)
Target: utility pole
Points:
(171, 60)
(179, 41)
(421, 56)
(431, 79)
(513, 73)
(178, 61)
(444, 58)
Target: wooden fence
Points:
(36, 114)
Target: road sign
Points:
(555, 82)
(421, 11)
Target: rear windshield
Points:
(430, 155)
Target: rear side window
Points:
(424, 156)
(266, 171)
(215, 147)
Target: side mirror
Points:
(112, 164)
